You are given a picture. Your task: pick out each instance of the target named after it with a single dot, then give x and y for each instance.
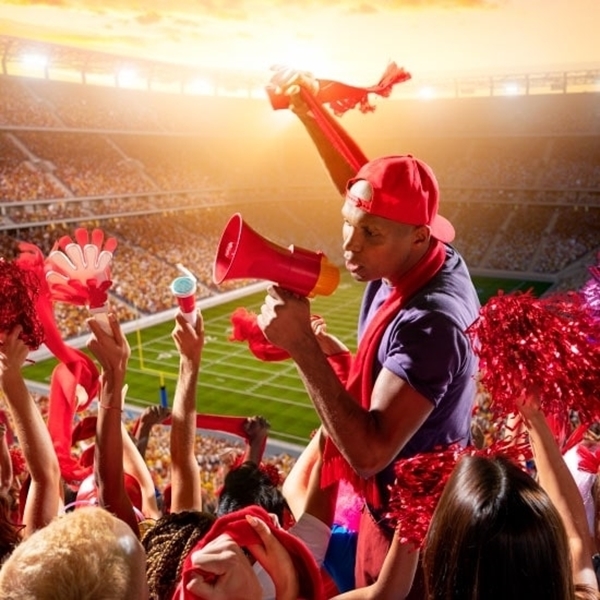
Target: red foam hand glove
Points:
(79, 272)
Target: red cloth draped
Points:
(340, 140)
(225, 423)
(341, 98)
(246, 329)
(360, 383)
(75, 368)
(243, 534)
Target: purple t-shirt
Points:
(426, 345)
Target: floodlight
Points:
(427, 93)
(35, 60)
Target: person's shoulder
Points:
(454, 260)
(449, 297)
(309, 525)
(453, 287)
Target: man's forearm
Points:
(338, 167)
(349, 425)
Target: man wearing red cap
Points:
(410, 387)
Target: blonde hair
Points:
(83, 555)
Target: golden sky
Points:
(349, 39)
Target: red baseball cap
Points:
(402, 189)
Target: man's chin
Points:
(359, 276)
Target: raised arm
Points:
(302, 88)
(302, 487)
(152, 415)
(556, 479)
(112, 352)
(257, 430)
(6, 469)
(135, 465)
(43, 498)
(186, 493)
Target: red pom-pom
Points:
(589, 460)
(591, 290)
(19, 465)
(420, 481)
(20, 290)
(550, 343)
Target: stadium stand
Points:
(162, 172)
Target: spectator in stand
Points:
(496, 533)
(174, 534)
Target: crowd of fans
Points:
(215, 453)
(492, 235)
(45, 165)
(521, 182)
(524, 203)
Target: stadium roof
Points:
(83, 64)
(86, 62)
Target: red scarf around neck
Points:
(360, 381)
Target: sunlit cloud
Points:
(149, 18)
(352, 39)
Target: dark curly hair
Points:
(248, 485)
(167, 544)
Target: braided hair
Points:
(167, 544)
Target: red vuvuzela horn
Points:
(243, 253)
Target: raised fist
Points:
(288, 82)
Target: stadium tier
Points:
(163, 172)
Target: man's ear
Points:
(422, 234)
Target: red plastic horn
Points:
(243, 254)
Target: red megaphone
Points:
(243, 253)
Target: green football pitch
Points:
(232, 380)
